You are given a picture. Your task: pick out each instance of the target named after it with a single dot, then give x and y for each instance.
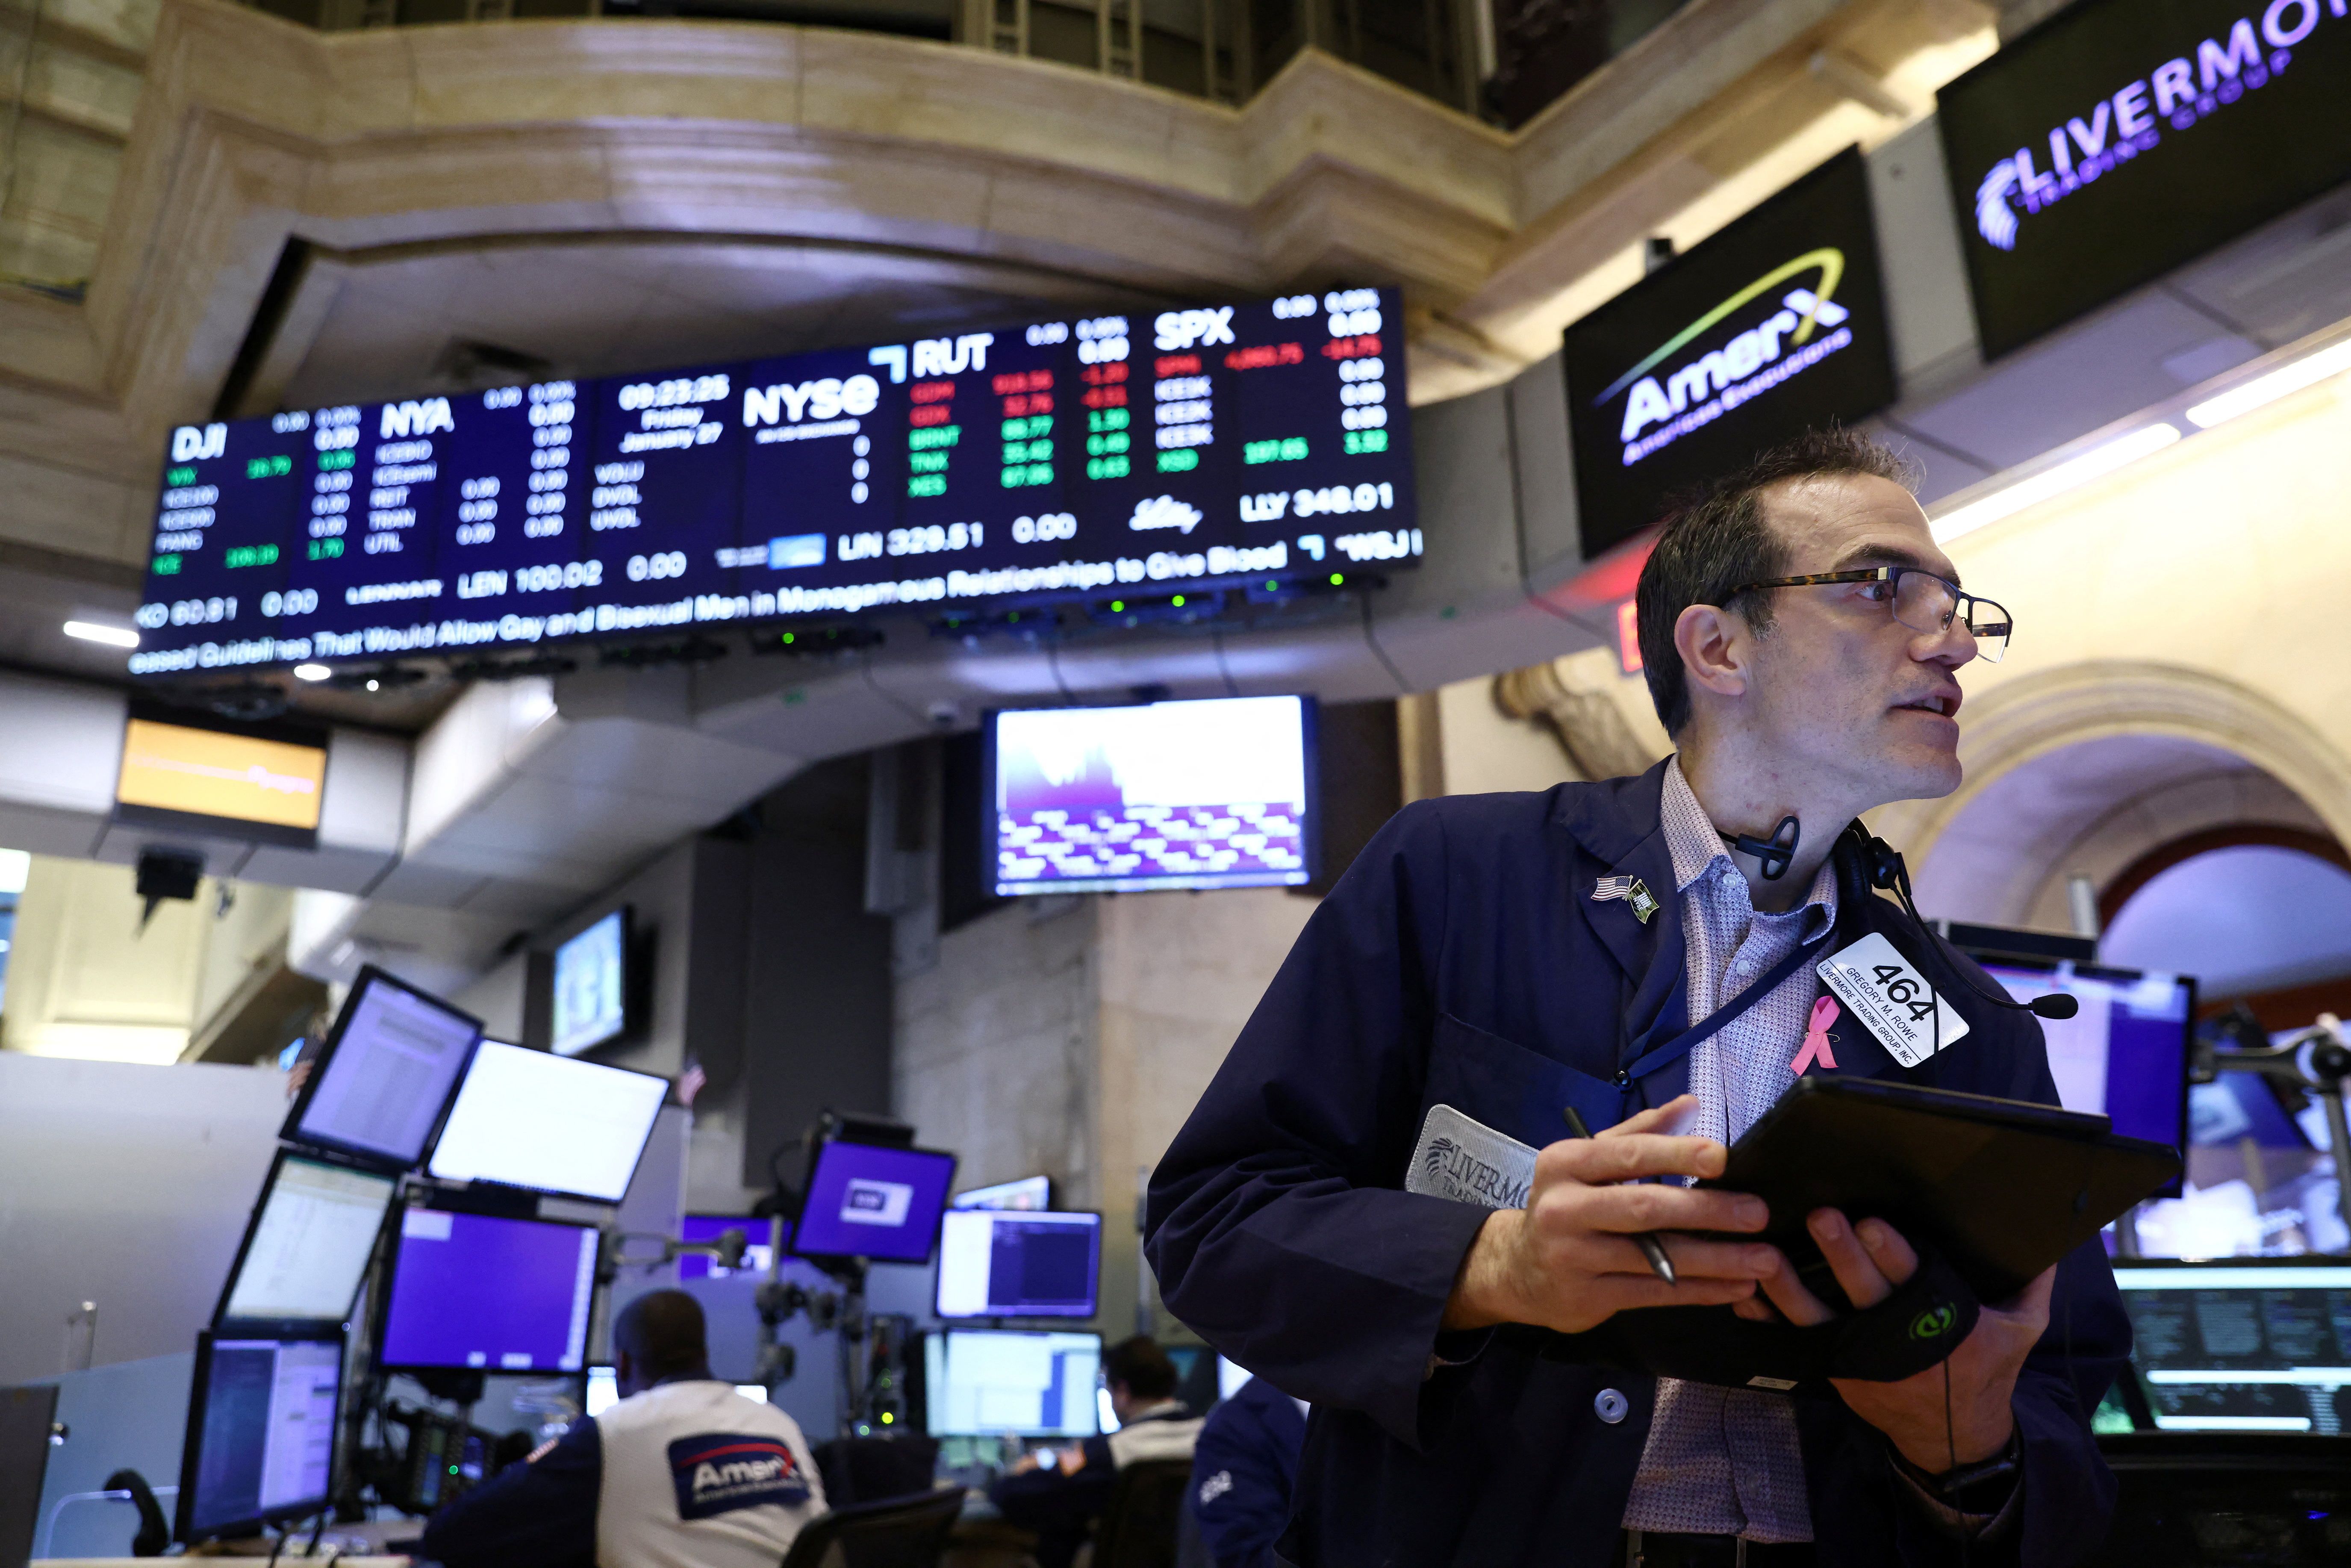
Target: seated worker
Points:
(684, 1472)
(1061, 1500)
(1242, 1473)
(1644, 950)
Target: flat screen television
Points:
(527, 1119)
(988, 1382)
(260, 1444)
(1008, 1264)
(308, 1245)
(490, 1293)
(873, 1201)
(384, 1078)
(2241, 1344)
(263, 782)
(2124, 1054)
(592, 986)
(1029, 1194)
(1219, 792)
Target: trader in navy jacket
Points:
(1506, 956)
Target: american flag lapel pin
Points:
(1632, 890)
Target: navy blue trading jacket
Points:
(1243, 1470)
(1462, 961)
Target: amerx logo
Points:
(718, 1472)
(1745, 365)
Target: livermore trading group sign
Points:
(1775, 325)
(2122, 137)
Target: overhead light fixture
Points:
(2308, 370)
(311, 672)
(112, 636)
(2099, 460)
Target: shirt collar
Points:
(1697, 847)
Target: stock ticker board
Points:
(1262, 443)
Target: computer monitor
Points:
(28, 1422)
(592, 986)
(758, 1255)
(488, 1292)
(1007, 1264)
(1029, 1194)
(2125, 1052)
(389, 1069)
(524, 1118)
(1217, 792)
(603, 1390)
(308, 1243)
(260, 1447)
(987, 1381)
(2242, 1345)
(869, 1200)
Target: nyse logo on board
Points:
(826, 398)
(416, 418)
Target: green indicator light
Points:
(1336, 579)
(1117, 606)
(1270, 585)
(1179, 601)
(179, 476)
(787, 637)
(167, 565)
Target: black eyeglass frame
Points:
(2004, 628)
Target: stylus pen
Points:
(1651, 1248)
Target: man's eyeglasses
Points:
(1919, 601)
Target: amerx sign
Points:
(2125, 137)
(1773, 326)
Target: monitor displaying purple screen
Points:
(2125, 1052)
(865, 1201)
(1212, 793)
(507, 1295)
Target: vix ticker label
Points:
(1469, 1162)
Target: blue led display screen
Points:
(1059, 460)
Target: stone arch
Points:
(2085, 769)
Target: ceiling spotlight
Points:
(375, 685)
(112, 636)
(311, 672)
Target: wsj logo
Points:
(869, 1202)
(827, 399)
(1178, 330)
(2119, 128)
(1748, 364)
(190, 443)
(415, 418)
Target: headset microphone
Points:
(1883, 866)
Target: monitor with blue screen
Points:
(2125, 1052)
(990, 1382)
(1003, 1264)
(260, 1445)
(480, 1291)
(873, 1201)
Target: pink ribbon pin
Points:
(1816, 1038)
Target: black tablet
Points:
(2003, 1188)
